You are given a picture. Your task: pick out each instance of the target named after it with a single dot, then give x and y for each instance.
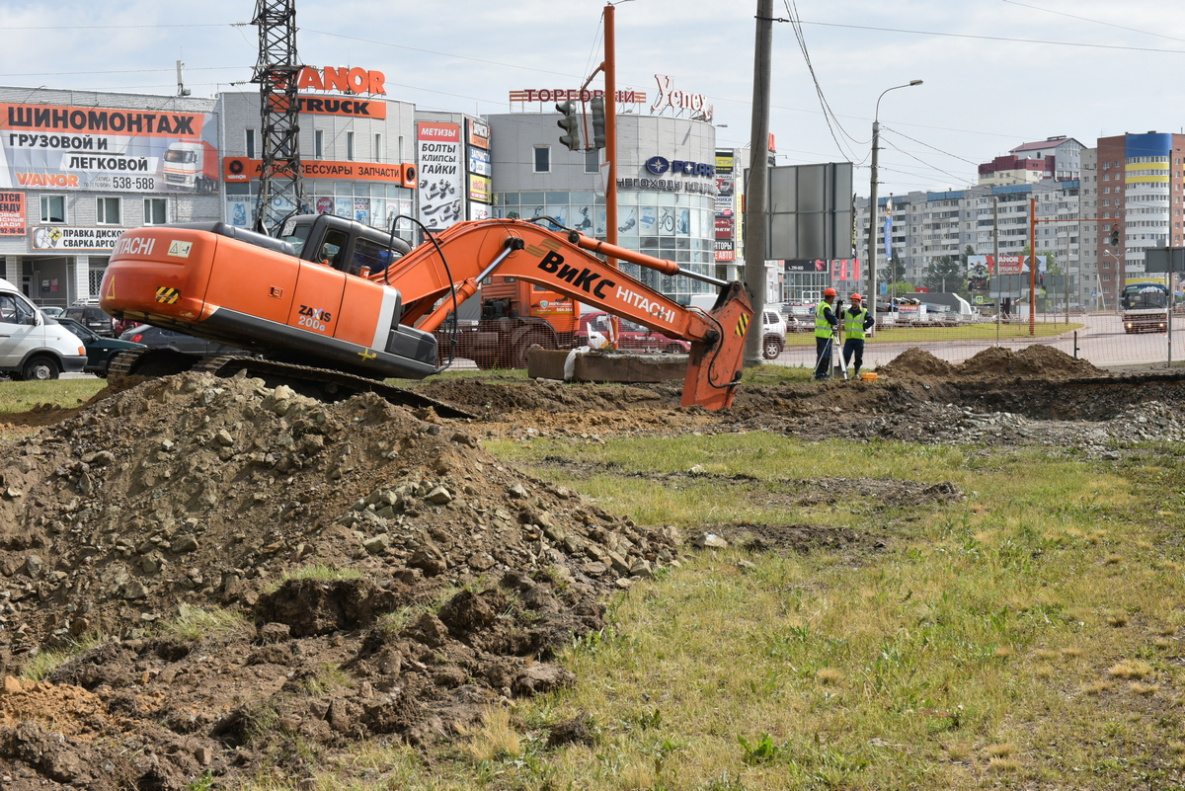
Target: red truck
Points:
(500, 324)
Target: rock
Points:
(642, 569)
(133, 590)
(429, 561)
(480, 561)
(377, 545)
(33, 566)
(710, 541)
(184, 544)
(595, 569)
(541, 678)
(439, 496)
(101, 458)
(274, 632)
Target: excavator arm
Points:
(468, 252)
(215, 282)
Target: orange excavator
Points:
(343, 305)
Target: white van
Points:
(31, 345)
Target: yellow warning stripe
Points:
(742, 326)
(167, 295)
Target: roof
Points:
(1053, 142)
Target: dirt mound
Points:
(916, 362)
(1036, 360)
(168, 521)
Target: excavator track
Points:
(319, 383)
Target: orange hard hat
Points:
(856, 297)
(829, 292)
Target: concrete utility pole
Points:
(757, 190)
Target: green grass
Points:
(1025, 636)
(193, 624)
(18, 397)
(970, 332)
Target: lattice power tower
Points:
(281, 191)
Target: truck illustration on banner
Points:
(190, 165)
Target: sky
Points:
(996, 73)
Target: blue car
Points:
(99, 350)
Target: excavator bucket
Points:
(714, 367)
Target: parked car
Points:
(91, 316)
(631, 338)
(159, 338)
(99, 350)
(773, 338)
(53, 311)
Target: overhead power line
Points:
(1094, 21)
(1040, 42)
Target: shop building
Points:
(357, 149)
(666, 187)
(79, 167)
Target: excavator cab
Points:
(342, 244)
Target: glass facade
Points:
(674, 226)
(365, 201)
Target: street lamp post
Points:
(872, 208)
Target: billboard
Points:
(73, 238)
(810, 211)
(63, 147)
(12, 214)
(442, 202)
(479, 189)
(726, 216)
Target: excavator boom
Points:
(287, 299)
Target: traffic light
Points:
(1115, 236)
(569, 123)
(598, 114)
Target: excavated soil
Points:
(264, 577)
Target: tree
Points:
(946, 274)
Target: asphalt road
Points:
(1101, 340)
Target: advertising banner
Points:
(805, 265)
(61, 147)
(441, 199)
(725, 250)
(239, 170)
(1009, 265)
(12, 214)
(479, 133)
(479, 189)
(725, 227)
(479, 162)
(62, 237)
(845, 269)
(355, 108)
(980, 266)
